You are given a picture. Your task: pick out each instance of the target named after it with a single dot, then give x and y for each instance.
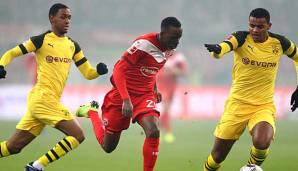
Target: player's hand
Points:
(127, 108)
(294, 100)
(158, 97)
(101, 68)
(213, 48)
(2, 72)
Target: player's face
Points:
(61, 21)
(258, 29)
(170, 37)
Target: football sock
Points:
(150, 152)
(97, 126)
(3, 150)
(257, 156)
(61, 148)
(210, 164)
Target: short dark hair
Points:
(55, 8)
(260, 13)
(170, 21)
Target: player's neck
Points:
(57, 33)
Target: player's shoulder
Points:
(148, 36)
(148, 40)
(240, 36)
(284, 42)
(76, 45)
(38, 40)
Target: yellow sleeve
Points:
(292, 52)
(84, 66)
(19, 50)
(232, 42)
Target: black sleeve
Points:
(285, 43)
(240, 36)
(38, 40)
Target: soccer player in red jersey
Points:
(167, 81)
(134, 94)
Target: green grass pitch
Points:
(187, 153)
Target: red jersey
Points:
(135, 73)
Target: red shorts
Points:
(112, 117)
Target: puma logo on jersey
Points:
(250, 47)
(52, 45)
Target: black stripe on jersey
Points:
(77, 47)
(63, 147)
(49, 157)
(23, 49)
(38, 40)
(240, 36)
(284, 42)
(293, 53)
(230, 44)
(81, 61)
(55, 154)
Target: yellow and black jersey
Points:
(255, 65)
(53, 55)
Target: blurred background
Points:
(106, 28)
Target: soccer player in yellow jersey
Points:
(250, 103)
(55, 52)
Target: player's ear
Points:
(269, 25)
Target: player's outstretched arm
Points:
(90, 72)
(7, 57)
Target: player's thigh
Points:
(112, 117)
(19, 140)
(149, 122)
(262, 126)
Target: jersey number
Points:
(150, 104)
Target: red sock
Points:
(97, 126)
(150, 152)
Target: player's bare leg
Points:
(151, 144)
(16, 143)
(74, 136)
(262, 135)
(220, 150)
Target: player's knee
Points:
(153, 132)
(261, 143)
(80, 137)
(108, 149)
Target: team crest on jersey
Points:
(149, 71)
(275, 49)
